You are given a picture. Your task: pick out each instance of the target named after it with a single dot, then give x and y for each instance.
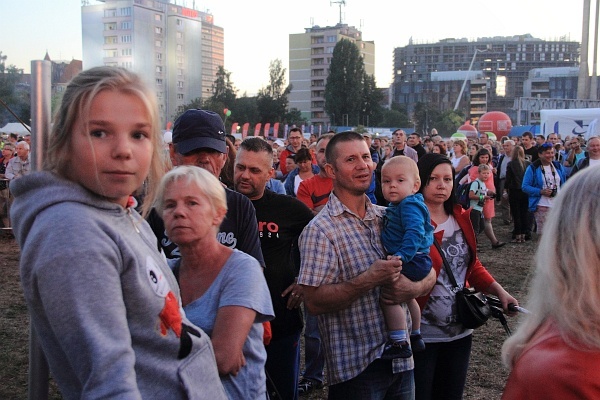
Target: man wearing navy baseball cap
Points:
(199, 139)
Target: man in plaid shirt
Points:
(344, 270)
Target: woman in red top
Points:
(555, 352)
(441, 369)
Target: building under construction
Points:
(487, 74)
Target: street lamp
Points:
(462, 89)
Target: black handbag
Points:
(472, 307)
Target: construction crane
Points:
(341, 3)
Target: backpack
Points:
(462, 194)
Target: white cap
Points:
(168, 137)
(279, 142)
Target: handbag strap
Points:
(446, 265)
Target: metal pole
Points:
(462, 89)
(594, 83)
(583, 80)
(40, 110)
(40, 129)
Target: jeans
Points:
(283, 365)
(441, 370)
(377, 382)
(314, 359)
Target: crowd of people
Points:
(189, 266)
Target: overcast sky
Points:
(29, 28)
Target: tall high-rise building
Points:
(310, 56)
(505, 63)
(177, 50)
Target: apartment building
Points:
(177, 50)
(310, 54)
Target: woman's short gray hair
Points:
(208, 184)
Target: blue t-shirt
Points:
(246, 287)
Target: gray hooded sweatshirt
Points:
(102, 299)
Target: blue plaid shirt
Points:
(336, 246)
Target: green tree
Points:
(449, 121)
(424, 116)
(246, 110)
(371, 111)
(294, 117)
(344, 87)
(224, 93)
(272, 101)
(196, 103)
(396, 117)
(14, 94)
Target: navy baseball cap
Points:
(199, 129)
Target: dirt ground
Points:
(511, 266)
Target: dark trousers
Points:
(519, 204)
(377, 382)
(441, 370)
(283, 365)
(477, 221)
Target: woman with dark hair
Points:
(483, 156)
(441, 369)
(305, 170)
(518, 200)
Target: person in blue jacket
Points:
(407, 234)
(542, 181)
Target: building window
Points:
(111, 26)
(158, 43)
(329, 50)
(110, 40)
(127, 64)
(158, 30)
(331, 39)
(110, 12)
(126, 39)
(179, 47)
(111, 53)
(157, 17)
(126, 25)
(111, 64)
(125, 11)
(179, 22)
(179, 96)
(179, 72)
(179, 35)
(159, 56)
(158, 68)
(180, 84)
(159, 81)
(126, 52)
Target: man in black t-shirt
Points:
(199, 139)
(414, 141)
(281, 219)
(531, 151)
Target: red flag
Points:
(257, 129)
(276, 129)
(234, 128)
(245, 128)
(267, 127)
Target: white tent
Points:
(14, 127)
